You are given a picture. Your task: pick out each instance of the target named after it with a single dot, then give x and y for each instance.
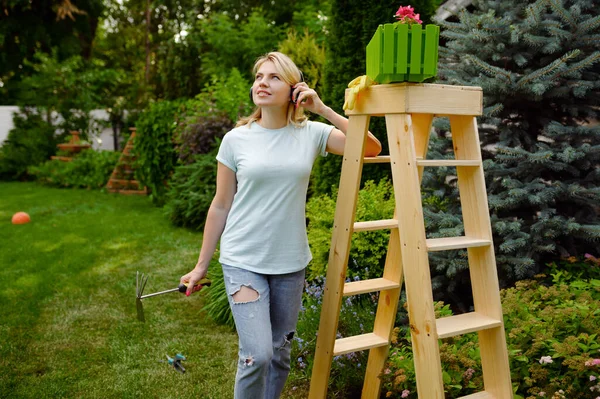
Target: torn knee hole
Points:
(245, 294)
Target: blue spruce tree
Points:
(537, 65)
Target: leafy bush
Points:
(156, 158)
(31, 142)
(208, 116)
(199, 126)
(551, 336)
(217, 303)
(89, 169)
(367, 254)
(191, 191)
(307, 54)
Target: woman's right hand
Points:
(192, 278)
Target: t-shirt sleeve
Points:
(321, 133)
(226, 154)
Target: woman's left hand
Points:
(308, 98)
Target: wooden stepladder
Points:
(409, 110)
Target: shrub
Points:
(191, 191)
(367, 254)
(199, 127)
(89, 169)
(31, 142)
(156, 158)
(208, 116)
(551, 337)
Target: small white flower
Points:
(546, 360)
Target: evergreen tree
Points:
(351, 26)
(537, 65)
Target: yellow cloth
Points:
(356, 86)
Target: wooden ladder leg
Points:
(414, 256)
(387, 305)
(482, 262)
(338, 254)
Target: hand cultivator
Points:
(140, 284)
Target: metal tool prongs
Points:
(140, 283)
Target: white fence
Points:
(104, 142)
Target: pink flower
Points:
(592, 362)
(406, 15)
(592, 378)
(469, 373)
(405, 393)
(546, 360)
(407, 11)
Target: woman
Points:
(258, 212)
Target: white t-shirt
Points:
(265, 230)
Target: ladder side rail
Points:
(482, 261)
(387, 305)
(347, 199)
(415, 257)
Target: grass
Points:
(68, 325)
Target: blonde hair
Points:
(291, 75)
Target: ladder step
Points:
(479, 395)
(448, 162)
(372, 285)
(379, 159)
(444, 244)
(358, 343)
(376, 225)
(428, 162)
(464, 323)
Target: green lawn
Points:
(68, 325)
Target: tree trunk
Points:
(147, 71)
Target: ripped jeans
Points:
(265, 327)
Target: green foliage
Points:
(89, 169)
(230, 94)
(191, 191)
(551, 337)
(31, 142)
(367, 255)
(537, 63)
(28, 27)
(156, 158)
(237, 45)
(199, 126)
(71, 88)
(307, 54)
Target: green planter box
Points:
(403, 53)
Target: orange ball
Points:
(20, 218)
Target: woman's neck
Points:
(273, 118)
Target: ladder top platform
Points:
(418, 98)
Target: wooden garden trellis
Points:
(409, 110)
